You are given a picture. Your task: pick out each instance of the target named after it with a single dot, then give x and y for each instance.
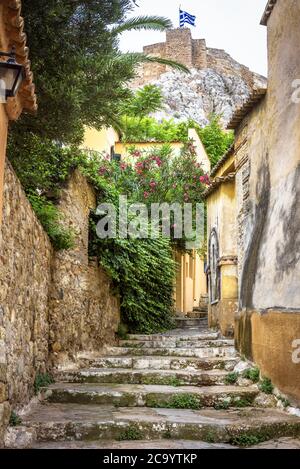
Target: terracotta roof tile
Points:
(242, 111)
(14, 24)
(217, 183)
(223, 160)
(268, 11)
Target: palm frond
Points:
(138, 58)
(155, 23)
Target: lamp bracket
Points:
(11, 54)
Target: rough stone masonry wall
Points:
(49, 302)
(84, 315)
(181, 47)
(25, 279)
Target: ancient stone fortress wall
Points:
(53, 306)
(268, 213)
(181, 47)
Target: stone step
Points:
(175, 343)
(135, 395)
(177, 334)
(183, 323)
(200, 352)
(127, 376)
(142, 444)
(61, 422)
(165, 363)
(197, 314)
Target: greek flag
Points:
(186, 18)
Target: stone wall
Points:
(268, 212)
(25, 279)
(84, 315)
(53, 306)
(181, 47)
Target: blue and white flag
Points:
(186, 18)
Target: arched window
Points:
(213, 268)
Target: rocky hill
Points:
(217, 83)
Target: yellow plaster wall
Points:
(123, 148)
(100, 140)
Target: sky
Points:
(232, 25)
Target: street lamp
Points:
(11, 75)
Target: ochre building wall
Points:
(268, 212)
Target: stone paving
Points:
(170, 390)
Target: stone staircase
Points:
(173, 389)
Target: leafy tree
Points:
(80, 75)
(215, 140)
(146, 100)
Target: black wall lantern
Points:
(11, 75)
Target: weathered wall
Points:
(3, 138)
(49, 302)
(222, 219)
(84, 315)
(25, 277)
(268, 197)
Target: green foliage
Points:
(51, 220)
(148, 129)
(231, 378)
(131, 433)
(178, 401)
(135, 265)
(144, 102)
(266, 386)
(41, 164)
(285, 402)
(42, 380)
(247, 440)
(242, 402)
(122, 331)
(222, 405)
(14, 419)
(215, 140)
(252, 374)
(146, 289)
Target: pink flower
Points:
(102, 170)
(158, 161)
(202, 179)
(123, 166)
(146, 195)
(136, 153)
(153, 184)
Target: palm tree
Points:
(154, 23)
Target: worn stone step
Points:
(164, 377)
(200, 352)
(143, 444)
(175, 343)
(134, 395)
(184, 322)
(165, 363)
(177, 334)
(61, 422)
(197, 314)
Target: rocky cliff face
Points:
(217, 82)
(201, 93)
